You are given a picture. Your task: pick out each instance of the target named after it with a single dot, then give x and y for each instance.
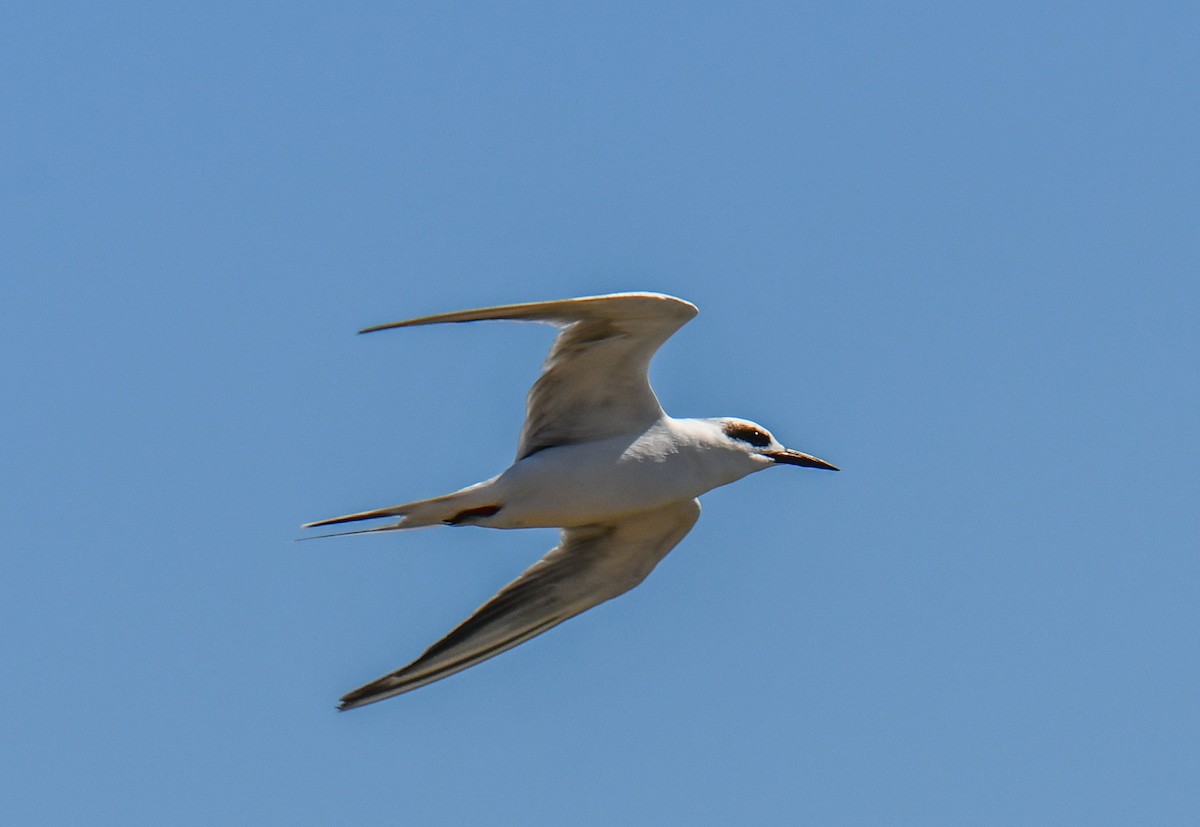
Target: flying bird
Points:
(599, 459)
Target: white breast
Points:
(575, 485)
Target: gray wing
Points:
(594, 383)
(591, 565)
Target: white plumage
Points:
(597, 458)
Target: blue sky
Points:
(952, 248)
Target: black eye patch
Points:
(748, 433)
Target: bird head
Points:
(756, 441)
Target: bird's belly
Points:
(580, 485)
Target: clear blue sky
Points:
(953, 248)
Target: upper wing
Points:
(590, 565)
(594, 383)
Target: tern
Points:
(599, 459)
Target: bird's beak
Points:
(790, 457)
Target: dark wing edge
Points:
(560, 312)
(591, 565)
(595, 381)
(593, 384)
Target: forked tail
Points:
(393, 511)
(448, 509)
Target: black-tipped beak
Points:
(789, 457)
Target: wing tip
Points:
(532, 310)
(386, 326)
(348, 702)
(372, 692)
